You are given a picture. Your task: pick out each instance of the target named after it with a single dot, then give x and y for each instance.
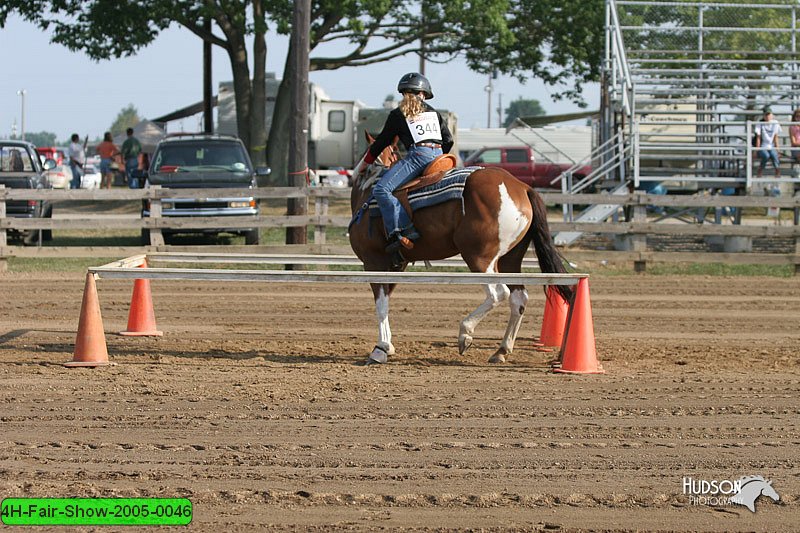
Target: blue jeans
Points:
(131, 166)
(394, 216)
(75, 183)
(769, 155)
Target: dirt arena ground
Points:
(253, 406)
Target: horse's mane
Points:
(749, 479)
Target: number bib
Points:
(425, 127)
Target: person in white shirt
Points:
(77, 158)
(767, 133)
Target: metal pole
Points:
(489, 103)
(21, 93)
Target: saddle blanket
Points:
(450, 187)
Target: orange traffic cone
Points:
(141, 317)
(554, 320)
(90, 343)
(578, 355)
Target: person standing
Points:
(131, 149)
(106, 150)
(425, 134)
(77, 158)
(767, 133)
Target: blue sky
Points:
(67, 92)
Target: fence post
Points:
(3, 238)
(320, 210)
(639, 240)
(156, 237)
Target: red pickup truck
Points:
(520, 163)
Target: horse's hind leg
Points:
(383, 348)
(495, 294)
(517, 302)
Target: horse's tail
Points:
(550, 261)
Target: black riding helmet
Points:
(413, 81)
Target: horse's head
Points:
(751, 487)
(369, 173)
(769, 492)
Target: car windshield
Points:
(15, 159)
(204, 156)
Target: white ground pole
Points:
(130, 268)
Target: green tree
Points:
(522, 108)
(93, 26)
(559, 42)
(42, 138)
(556, 40)
(128, 117)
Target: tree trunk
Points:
(257, 122)
(241, 87)
(278, 143)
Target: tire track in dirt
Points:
(259, 415)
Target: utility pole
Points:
(422, 42)
(499, 110)
(298, 118)
(208, 116)
(488, 90)
(21, 93)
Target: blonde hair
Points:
(411, 105)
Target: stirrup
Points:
(411, 234)
(399, 242)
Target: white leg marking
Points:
(517, 303)
(384, 331)
(494, 295)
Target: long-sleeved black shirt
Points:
(397, 126)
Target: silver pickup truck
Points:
(198, 161)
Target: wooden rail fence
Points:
(636, 230)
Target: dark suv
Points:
(199, 161)
(21, 168)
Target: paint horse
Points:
(491, 225)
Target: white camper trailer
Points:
(332, 123)
(336, 127)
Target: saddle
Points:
(433, 173)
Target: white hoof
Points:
(464, 342)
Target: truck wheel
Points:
(252, 237)
(30, 237)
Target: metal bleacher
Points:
(684, 84)
(701, 74)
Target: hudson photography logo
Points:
(721, 492)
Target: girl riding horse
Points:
(425, 135)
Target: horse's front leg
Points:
(494, 295)
(383, 348)
(517, 302)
